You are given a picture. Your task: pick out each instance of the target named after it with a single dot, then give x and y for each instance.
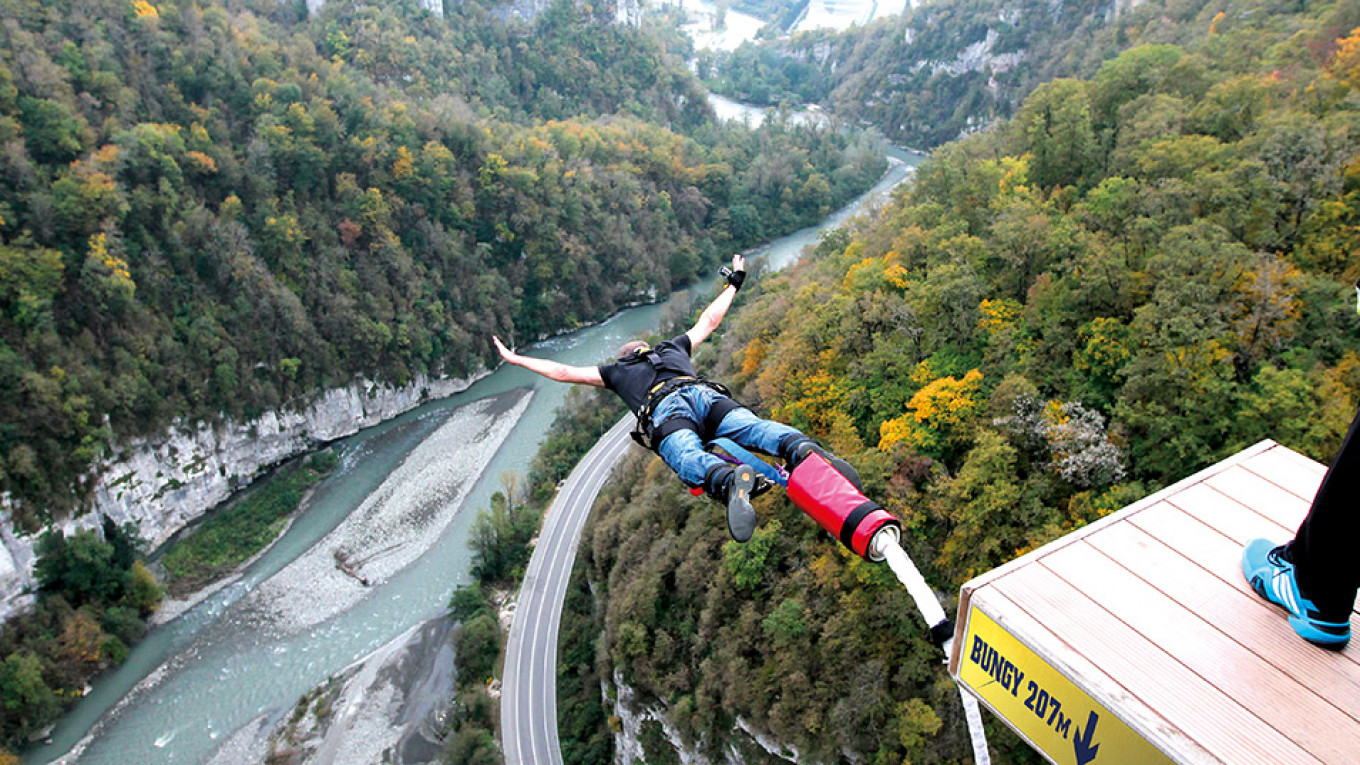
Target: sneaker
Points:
(741, 517)
(1271, 574)
(804, 448)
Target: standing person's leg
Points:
(1315, 576)
(1323, 550)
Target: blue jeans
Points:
(683, 450)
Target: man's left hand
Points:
(736, 275)
(506, 353)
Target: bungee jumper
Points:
(680, 414)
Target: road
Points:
(529, 690)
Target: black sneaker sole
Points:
(741, 517)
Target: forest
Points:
(1141, 273)
(214, 209)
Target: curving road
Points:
(529, 690)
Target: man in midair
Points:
(680, 411)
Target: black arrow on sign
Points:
(1081, 742)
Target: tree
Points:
(1146, 69)
(25, 699)
(499, 539)
(143, 592)
(1055, 125)
(52, 132)
(991, 512)
(749, 563)
(79, 568)
(939, 417)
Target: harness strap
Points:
(650, 437)
(720, 409)
(668, 427)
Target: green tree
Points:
(1055, 125)
(1144, 70)
(53, 133)
(80, 568)
(25, 698)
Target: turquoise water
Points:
(214, 676)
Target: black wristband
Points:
(734, 278)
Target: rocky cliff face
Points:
(163, 483)
(434, 6)
(644, 729)
(625, 11)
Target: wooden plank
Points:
(1027, 558)
(1230, 517)
(1206, 715)
(1304, 461)
(960, 627)
(1290, 707)
(1261, 495)
(1240, 615)
(1292, 475)
(1073, 664)
(1214, 552)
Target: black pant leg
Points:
(1324, 549)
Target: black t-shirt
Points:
(633, 378)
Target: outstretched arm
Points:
(714, 313)
(551, 369)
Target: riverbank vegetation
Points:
(1139, 275)
(217, 209)
(232, 534)
(93, 598)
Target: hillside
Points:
(1139, 274)
(944, 69)
(218, 209)
(215, 211)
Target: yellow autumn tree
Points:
(821, 399)
(998, 315)
(106, 272)
(937, 417)
(1346, 65)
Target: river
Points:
(195, 680)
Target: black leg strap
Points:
(714, 478)
(788, 444)
(720, 408)
(668, 427)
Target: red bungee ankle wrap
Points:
(832, 501)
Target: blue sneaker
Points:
(1271, 575)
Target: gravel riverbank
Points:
(394, 526)
(387, 707)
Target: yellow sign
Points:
(1053, 714)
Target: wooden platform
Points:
(1145, 622)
